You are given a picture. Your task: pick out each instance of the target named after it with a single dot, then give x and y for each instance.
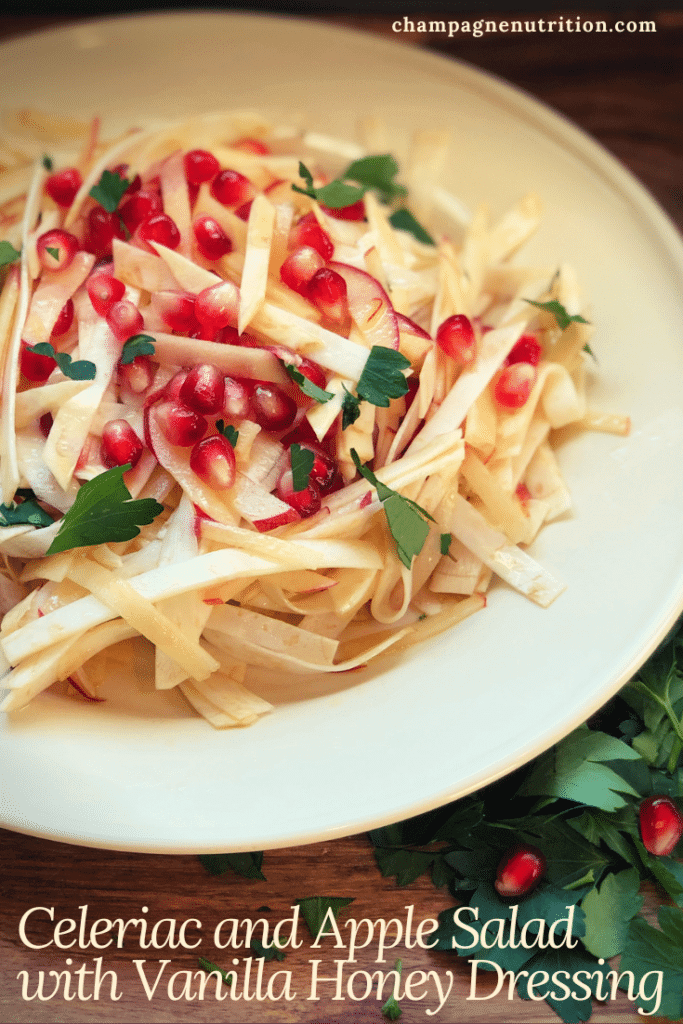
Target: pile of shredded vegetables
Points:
(428, 494)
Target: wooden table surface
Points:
(626, 90)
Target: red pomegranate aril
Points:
(661, 825)
(218, 306)
(271, 408)
(157, 228)
(324, 467)
(203, 389)
(309, 232)
(200, 166)
(231, 188)
(213, 460)
(244, 210)
(104, 290)
(103, 228)
(306, 502)
(455, 336)
(56, 249)
(139, 206)
(313, 372)
(138, 375)
(35, 367)
(120, 444)
(300, 267)
(212, 241)
(176, 309)
(513, 386)
(62, 186)
(520, 871)
(45, 422)
(526, 350)
(64, 320)
(236, 398)
(124, 319)
(179, 425)
(254, 146)
(172, 389)
(327, 291)
(356, 211)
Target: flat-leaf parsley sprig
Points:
(382, 379)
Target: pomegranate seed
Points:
(327, 291)
(176, 309)
(124, 319)
(140, 206)
(213, 460)
(212, 241)
(231, 188)
(56, 249)
(300, 267)
(218, 306)
(324, 467)
(306, 502)
(526, 350)
(514, 384)
(236, 400)
(356, 211)
(45, 423)
(120, 444)
(103, 227)
(313, 372)
(244, 210)
(157, 228)
(180, 425)
(203, 389)
(138, 375)
(661, 825)
(104, 290)
(252, 146)
(455, 337)
(64, 320)
(35, 367)
(309, 232)
(62, 186)
(200, 165)
(172, 389)
(271, 408)
(520, 871)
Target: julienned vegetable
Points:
(262, 414)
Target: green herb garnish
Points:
(248, 865)
(307, 386)
(316, 908)
(350, 408)
(556, 309)
(104, 512)
(381, 380)
(446, 541)
(25, 512)
(8, 254)
(211, 968)
(273, 952)
(302, 460)
(109, 190)
(406, 519)
(79, 369)
(229, 432)
(404, 221)
(391, 1010)
(53, 252)
(374, 173)
(47, 162)
(137, 345)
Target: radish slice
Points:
(369, 306)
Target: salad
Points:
(260, 412)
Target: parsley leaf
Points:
(273, 952)
(248, 865)
(229, 432)
(211, 968)
(371, 173)
(109, 190)
(136, 345)
(80, 369)
(608, 912)
(26, 512)
(335, 195)
(8, 254)
(382, 377)
(391, 1010)
(310, 389)
(350, 408)
(302, 460)
(562, 317)
(648, 949)
(316, 908)
(404, 221)
(47, 162)
(406, 518)
(104, 512)
(446, 541)
(53, 252)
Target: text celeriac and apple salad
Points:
(260, 412)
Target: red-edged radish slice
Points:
(369, 306)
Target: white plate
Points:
(511, 680)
